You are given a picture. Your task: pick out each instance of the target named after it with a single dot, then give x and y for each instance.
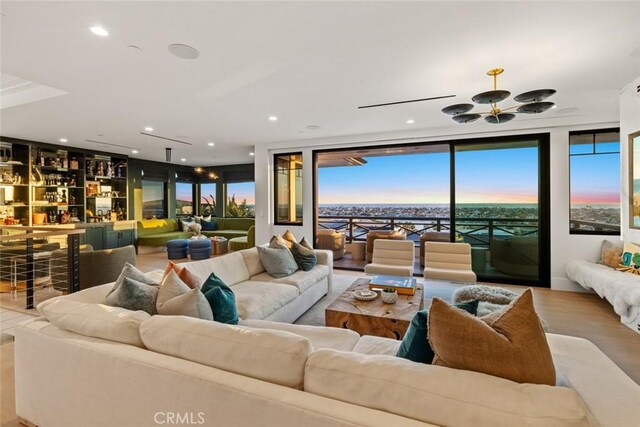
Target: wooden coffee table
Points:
(374, 317)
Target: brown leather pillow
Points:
(509, 344)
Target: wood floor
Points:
(569, 313)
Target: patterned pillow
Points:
(630, 261)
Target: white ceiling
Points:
(309, 63)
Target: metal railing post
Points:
(29, 271)
(350, 230)
(73, 262)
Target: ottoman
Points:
(177, 248)
(200, 249)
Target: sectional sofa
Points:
(85, 363)
(76, 368)
(157, 232)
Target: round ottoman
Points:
(200, 249)
(177, 248)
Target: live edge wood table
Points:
(374, 317)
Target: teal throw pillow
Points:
(415, 344)
(221, 299)
(305, 258)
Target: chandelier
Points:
(532, 102)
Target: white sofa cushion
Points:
(369, 344)
(230, 268)
(275, 356)
(252, 260)
(258, 300)
(96, 320)
(302, 280)
(320, 336)
(439, 395)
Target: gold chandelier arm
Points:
(511, 108)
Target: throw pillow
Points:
(289, 238)
(221, 299)
(610, 254)
(132, 272)
(415, 343)
(305, 258)
(278, 261)
(186, 224)
(304, 242)
(630, 260)
(509, 344)
(175, 298)
(134, 295)
(184, 274)
(198, 219)
(278, 242)
(209, 225)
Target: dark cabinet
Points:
(118, 239)
(94, 236)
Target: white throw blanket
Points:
(622, 290)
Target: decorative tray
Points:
(358, 294)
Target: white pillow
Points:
(274, 356)
(175, 298)
(97, 320)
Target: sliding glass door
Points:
(498, 208)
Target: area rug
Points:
(315, 315)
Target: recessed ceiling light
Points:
(134, 151)
(183, 159)
(410, 121)
(183, 51)
(99, 31)
(148, 129)
(211, 144)
(63, 140)
(252, 153)
(273, 118)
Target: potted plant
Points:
(389, 295)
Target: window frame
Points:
(594, 152)
(165, 198)
(275, 191)
(226, 195)
(193, 198)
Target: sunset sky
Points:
(242, 190)
(482, 176)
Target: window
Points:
(288, 188)
(241, 200)
(208, 199)
(184, 198)
(153, 199)
(595, 181)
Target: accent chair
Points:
(448, 261)
(388, 234)
(392, 257)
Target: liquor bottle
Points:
(65, 161)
